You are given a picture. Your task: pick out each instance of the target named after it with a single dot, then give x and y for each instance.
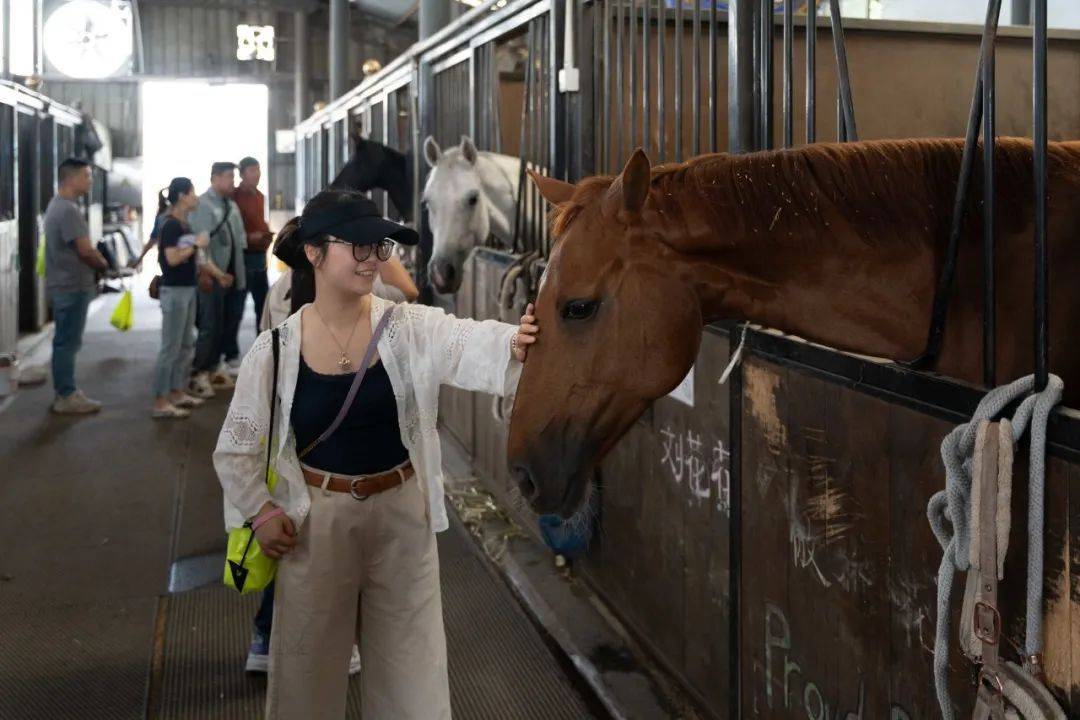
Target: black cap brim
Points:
(370, 230)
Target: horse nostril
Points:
(526, 484)
(448, 273)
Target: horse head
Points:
(619, 326)
(458, 211)
(374, 165)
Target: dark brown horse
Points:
(839, 244)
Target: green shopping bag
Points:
(124, 313)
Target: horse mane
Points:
(883, 189)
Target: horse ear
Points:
(631, 188)
(468, 149)
(432, 151)
(553, 190)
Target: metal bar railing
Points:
(940, 306)
(789, 85)
(633, 78)
(679, 77)
(1042, 270)
(989, 103)
(646, 75)
(713, 89)
(840, 48)
(604, 161)
(520, 206)
(768, 37)
(811, 71)
(695, 81)
(661, 125)
(614, 157)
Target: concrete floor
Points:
(96, 511)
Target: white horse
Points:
(469, 195)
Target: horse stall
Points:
(764, 540)
(36, 132)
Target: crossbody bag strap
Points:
(355, 387)
(274, 334)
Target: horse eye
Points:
(472, 199)
(580, 309)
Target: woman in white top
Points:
(352, 515)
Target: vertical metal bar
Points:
(646, 75)
(767, 40)
(840, 48)
(339, 47)
(758, 132)
(604, 162)
(678, 79)
(523, 138)
(789, 86)
(633, 78)
(967, 164)
(811, 71)
(613, 158)
(1021, 12)
(735, 537)
(713, 90)
(661, 31)
(5, 37)
(1042, 275)
(740, 107)
(695, 83)
(841, 126)
(989, 101)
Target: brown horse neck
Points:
(837, 244)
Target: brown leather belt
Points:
(361, 487)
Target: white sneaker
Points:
(232, 367)
(200, 386)
(189, 401)
(222, 380)
(75, 404)
(354, 661)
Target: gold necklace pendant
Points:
(344, 362)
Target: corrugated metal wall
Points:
(194, 40)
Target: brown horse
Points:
(839, 244)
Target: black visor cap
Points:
(359, 222)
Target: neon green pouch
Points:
(246, 568)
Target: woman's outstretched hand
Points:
(526, 334)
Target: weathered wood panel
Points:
(839, 564)
(661, 556)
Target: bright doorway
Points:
(189, 125)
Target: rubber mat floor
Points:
(500, 666)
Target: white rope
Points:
(735, 356)
(947, 511)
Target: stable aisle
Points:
(98, 514)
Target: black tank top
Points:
(368, 439)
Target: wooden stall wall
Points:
(908, 80)
(660, 557)
(839, 566)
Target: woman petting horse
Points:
(356, 452)
(840, 244)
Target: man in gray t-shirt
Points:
(71, 265)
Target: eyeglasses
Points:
(383, 249)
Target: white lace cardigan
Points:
(422, 348)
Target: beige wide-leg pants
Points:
(360, 569)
